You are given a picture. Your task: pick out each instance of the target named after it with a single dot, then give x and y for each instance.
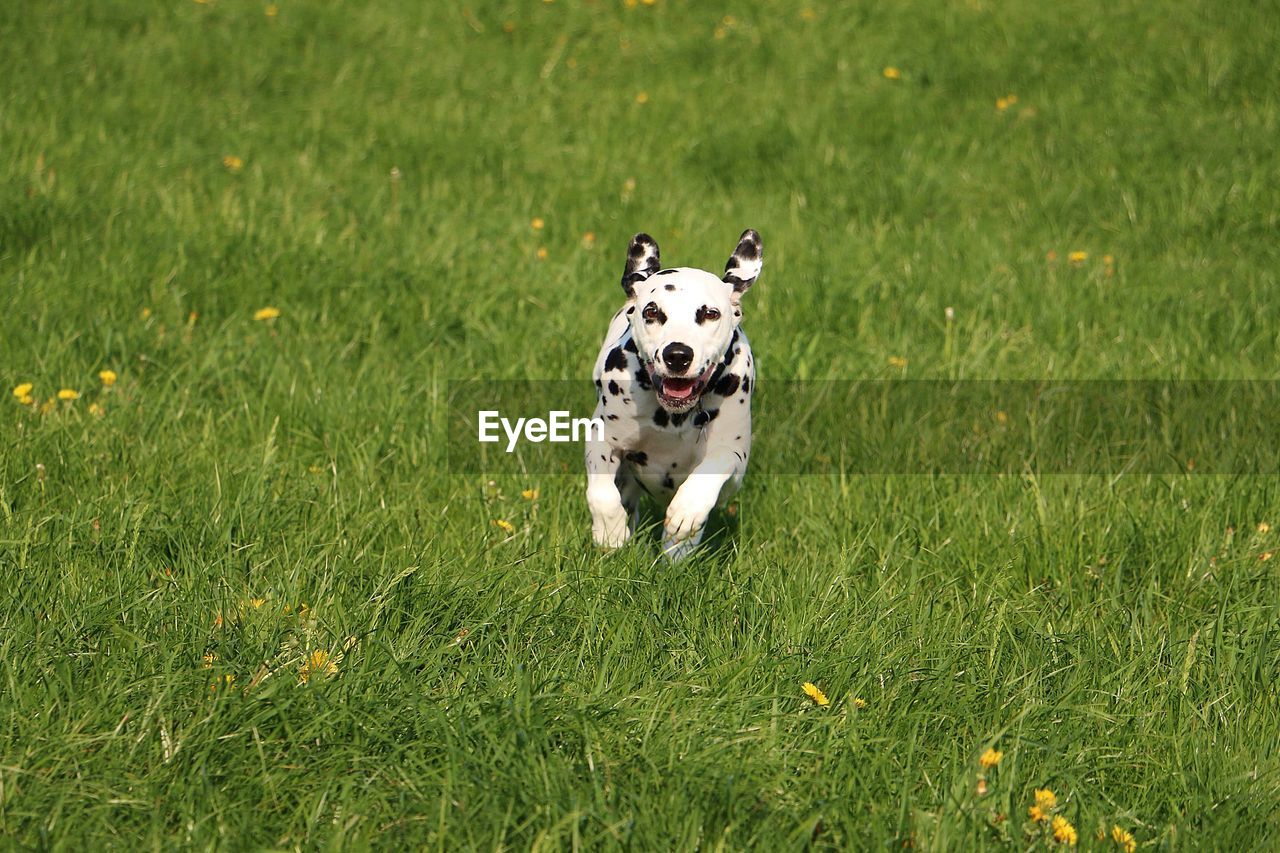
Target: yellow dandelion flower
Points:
(1263, 527)
(648, 2)
(542, 253)
(990, 758)
(891, 73)
(1063, 831)
(1002, 417)
(508, 26)
(96, 410)
(504, 525)
(589, 239)
(232, 163)
(1077, 257)
(208, 660)
(68, 394)
(1265, 556)
(23, 390)
(1002, 104)
(225, 681)
(318, 662)
(1046, 799)
(631, 4)
(897, 361)
(268, 313)
(537, 223)
(529, 494)
(272, 10)
(146, 313)
(1124, 839)
(26, 399)
(808, 15)
(982, 787)
(256, 603)
(642, 97)
(719, 32)
(811, 690)
(1037, 814)
(859, 703)
(108, 377)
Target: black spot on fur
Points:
(726, 386)
(631, 310)
(616, 360)
(613, 388)
(668, 483)
(660, 417)
(638, 457)
(598, 385)
(630, 345)
(673, 465)
(704, 418)
(746, 385)
(748, 250)
(664, 272)
(642, 378)
(669, 287)
(678, 419)
(612, 417)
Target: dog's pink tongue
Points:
(677, 389)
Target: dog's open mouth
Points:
(678, 393)
(681, 393)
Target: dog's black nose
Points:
(678, 357)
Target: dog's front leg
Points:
(697, 496)
(608, 516)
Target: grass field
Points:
(176, 546)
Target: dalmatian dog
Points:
(674, 380)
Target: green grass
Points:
(1108, 633)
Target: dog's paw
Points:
(609, 527)
(686, 516)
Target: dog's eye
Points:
(705, 313)
(650, 311)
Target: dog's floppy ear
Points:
(745, 262)
(642, 262)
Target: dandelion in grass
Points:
(1046, 799)
(891, 73)
(267, 313)
(1265, 556)
(504, 525)
(96, 410)
(982, 787)
(272, 10)
(232, 163)
(1077, 258)
(1063, 831)
(68, 394)
(642, 97)
(537, 223)
(808, 14)
(225, 681)
(990, 758)
(256, 603)
(589, 239)
(1124, 839)
(811, 690)
(209, 659)
(859, 702)
(542, 253)
(529, 494)
(1037, 814)
(108, 377)
(1264, 528)
(317, 663)
(897, 361)
(23, 390)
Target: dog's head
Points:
(683, 319)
